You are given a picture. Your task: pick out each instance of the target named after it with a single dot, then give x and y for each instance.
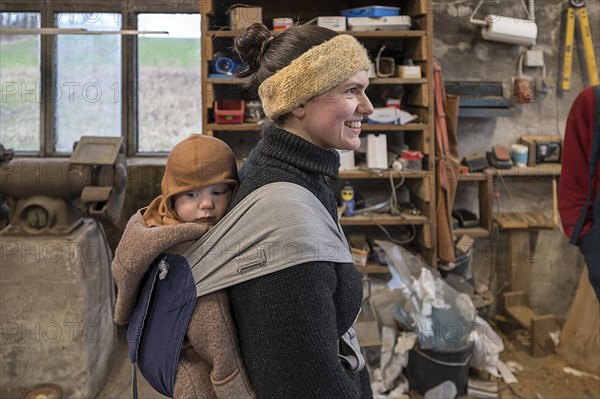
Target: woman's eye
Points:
(351, 90)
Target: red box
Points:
(229, 111)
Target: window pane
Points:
(88, 87)
(169, 85)
(20, 83)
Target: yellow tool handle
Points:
(588, 46)
(568, 51)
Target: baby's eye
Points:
(220, 192)
(191, 195)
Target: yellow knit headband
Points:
(315, 72)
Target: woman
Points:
(312, 83)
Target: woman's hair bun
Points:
(251, 46)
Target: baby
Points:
(199, 181)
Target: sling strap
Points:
(279, 225)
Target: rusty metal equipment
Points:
(56, 290)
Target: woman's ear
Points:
(298, 112)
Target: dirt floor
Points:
(544, 377)
(540, 378)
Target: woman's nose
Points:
(365, 107)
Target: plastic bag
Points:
(441, 317)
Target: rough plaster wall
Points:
(465, 56)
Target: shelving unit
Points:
(418, 99)
(485, 181)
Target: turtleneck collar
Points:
(294, 150)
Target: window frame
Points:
(129, 11)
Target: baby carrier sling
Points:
(590, 242)
(277, 226)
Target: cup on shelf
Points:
(519, 154)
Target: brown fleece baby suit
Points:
(210, 365)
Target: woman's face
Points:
(333, 119)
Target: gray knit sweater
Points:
(289, 322)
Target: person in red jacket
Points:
(578, 193)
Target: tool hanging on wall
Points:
(580, 20)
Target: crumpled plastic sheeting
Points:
(429, 292)
(394, 356)
(441, 317)
(400, 391)
(388, 379)
(487, 345)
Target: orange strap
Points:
(441, 130)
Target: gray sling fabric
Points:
(275, 227)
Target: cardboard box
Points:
(242, 16)
(359, 249)
(409, 71)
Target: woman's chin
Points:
(353, 144)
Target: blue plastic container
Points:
(371, 11)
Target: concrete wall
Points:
(465, 56)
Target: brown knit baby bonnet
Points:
(194, 162)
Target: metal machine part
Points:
(48, 195)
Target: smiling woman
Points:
(311, 82)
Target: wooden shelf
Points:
(226, 81)
(419, 135)
(360, 34)
(524, 220)
(408, 127)
(383, 219)
(373, 268)
(472, 231)
(372, 174)
(541, 170)
(373, 81)
(397, 81)
(386, 33)
(477, 176)
(236, 127)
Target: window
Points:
(169, 81)
(88, 79)
(57, 84)
(20, 83)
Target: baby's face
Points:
(205, 205)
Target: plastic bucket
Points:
(430, 367)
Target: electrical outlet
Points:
(534, 58)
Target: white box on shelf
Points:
(377, 151)
(400, 22)
(346, 160)
(337, 23)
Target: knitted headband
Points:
(315, 72)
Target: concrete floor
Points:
(118, 385)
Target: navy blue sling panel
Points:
(163, 311)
